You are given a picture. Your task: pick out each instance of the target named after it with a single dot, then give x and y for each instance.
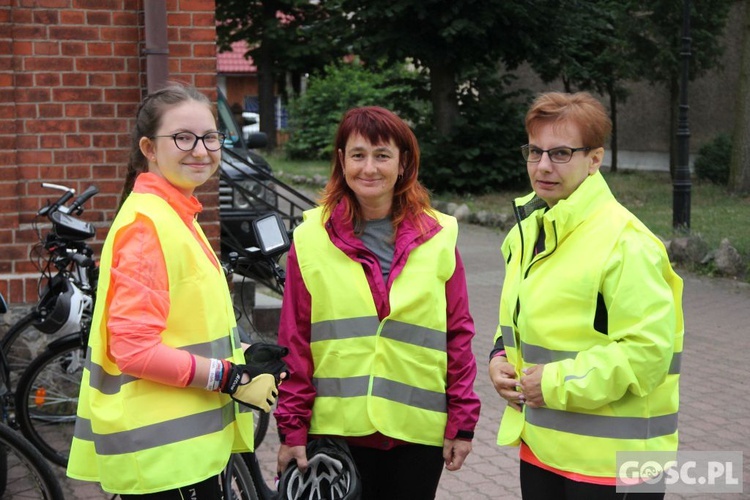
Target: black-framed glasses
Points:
(533, 154)
(186, 141)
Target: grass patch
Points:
(714, 214)
(286, 168)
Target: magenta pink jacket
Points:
(296, 395)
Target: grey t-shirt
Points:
(378, 238)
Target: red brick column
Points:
(72, 73)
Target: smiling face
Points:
(371, 171)
(553, 182)
(185, 170)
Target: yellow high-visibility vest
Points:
(604, 392)
(136, 436)
(370, 375)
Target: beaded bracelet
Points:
(215, 374)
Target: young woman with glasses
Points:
(156, 416)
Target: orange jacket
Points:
(140, 293)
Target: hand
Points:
(531, 384)
(455, 452)
(503, 377)
(289, 453)
(258, 392)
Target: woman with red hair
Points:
(376, 317)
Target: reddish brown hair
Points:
(378, 125)
(580, 109)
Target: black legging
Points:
(541, 484)
(406, 472)
(205, 490)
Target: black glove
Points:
(258, 392)
(266, 358)
(263, 369)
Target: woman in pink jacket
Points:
(376, 317)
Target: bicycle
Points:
(24, 473)
(260, 264)
(66, 267)
(331, 470)
(46, 395)
(274, 240)
(46, 348)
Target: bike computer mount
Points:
(271, 234)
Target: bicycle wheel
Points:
(261, 420)
(22, 343)
(25, 473)
(238, 482)
(47, 398)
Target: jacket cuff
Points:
(498, 349)
(465, 435)
(452, 432)
(297, 437)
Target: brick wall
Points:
(72, 73)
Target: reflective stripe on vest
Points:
(107, 383)
(370, 375)
(136, 436)
(534, 354)
(161, 434)
(604, 426)
(382, 388)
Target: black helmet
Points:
(61, 307)
(330, 475)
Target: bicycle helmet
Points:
(61, 307)
(330, 475)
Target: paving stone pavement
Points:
(715, 381)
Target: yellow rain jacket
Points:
(604, 391)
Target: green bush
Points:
(316, 114)
(712, 162)
(483, 153)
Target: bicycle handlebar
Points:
(61, 201)
(59, 204)
(77, 205)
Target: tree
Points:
(445, 37)
(592, 51)
(287, 37)
(658, 49)
(739, 169)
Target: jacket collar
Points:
(570, 212)
(590, 196)
(186, 208)
(408, 235)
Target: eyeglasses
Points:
(186, 141)
(532, 154)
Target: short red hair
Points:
(580, 109)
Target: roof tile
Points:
(234, 61)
